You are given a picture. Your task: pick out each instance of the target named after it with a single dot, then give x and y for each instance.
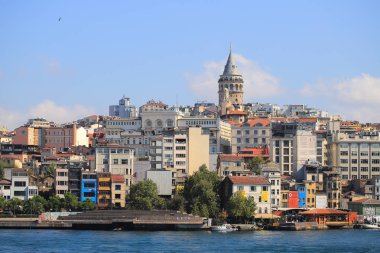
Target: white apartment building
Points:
(117, 160)
(61, 181)
(272, 173)
(256, 132)
(357, 156)
(292, 150)
(20, 186)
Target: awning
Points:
(266, 216)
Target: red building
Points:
(293, 199)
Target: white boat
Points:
(223, 228)
(371, 226)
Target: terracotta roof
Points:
(118, 178)
(252, 152)
(260, 180)
(262, 121)
(323, 211)
(225, 157)
(5, 182)
(367, 201)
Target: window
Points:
(247, 132)
(89, 194)
(246, 140)
(364, 161)
(377, 153)
(253, 188)
(364, 169)
(180, 148)
(265, 188)
(124, 161)
(343, 145)
(354, 161)
(354, 169)
(375, 161)
(263, 132)
(364, 153)
(180, 155)
(19, 193)
(117, 187)
(238, 140)
(20, 183)
(364, 145)
(62, 182)
(240, 188)
(62, 174)
(105, 161)
(354, 153)
(343, 153)
(115, 161)
(238, 132)
(89, 185)
(343, 160)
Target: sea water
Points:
(88, 241)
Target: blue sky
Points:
(321, 53)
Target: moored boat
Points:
(223, 228)
(371, 226)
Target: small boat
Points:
(223, 228)
(371, 226)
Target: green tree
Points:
(35, 205)
(201, 193)
(51, 169)
(86, 205)
(144, 196)
(70, 202)
(2, 165)
(14, 205)
(55, 203)
(255, 164)
(240, 208)
(177, 203)
(2, 202)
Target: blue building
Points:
(89, 186)
(301, 189)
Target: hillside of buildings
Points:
(279, 157)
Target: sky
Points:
(64, 60)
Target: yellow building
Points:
(118, 191)
(104, 190)
(311, 189)
(198, 149)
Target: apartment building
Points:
(118, 191)
(292, 146)
(272, 173)
(21, 188)
(61, 181)
(356, 155)
(117, 160)
(258, 187)
(256, 132)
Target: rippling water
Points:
(192, 241)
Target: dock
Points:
(112, 220)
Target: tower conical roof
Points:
(230, 68)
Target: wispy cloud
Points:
(258, 83)
(58, 113)
(46, 109)
(355, 98)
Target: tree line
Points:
(200, 196)
(39, 204)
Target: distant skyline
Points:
(64, 60)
